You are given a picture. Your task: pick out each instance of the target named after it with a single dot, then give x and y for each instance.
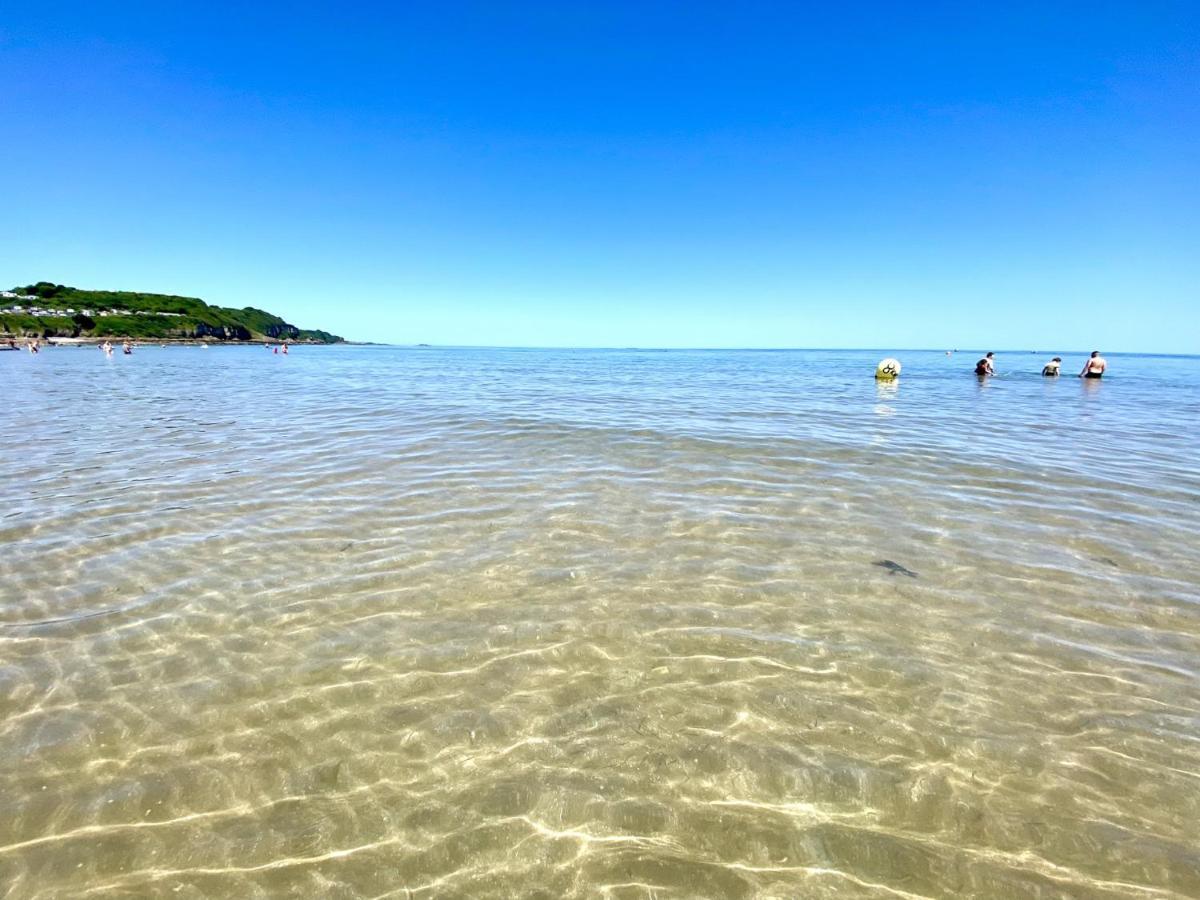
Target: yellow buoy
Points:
(888, 369)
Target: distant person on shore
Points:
(985, 367)
(1095, 366)
(1050, 369)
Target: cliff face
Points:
(54, 310)
(282, 331)
(222, 332)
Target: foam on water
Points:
(366, 622)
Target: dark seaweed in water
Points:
(894, 568)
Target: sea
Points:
(384, 622)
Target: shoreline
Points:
(22, 340)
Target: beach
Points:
(21, 342)
(385, 622)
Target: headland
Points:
(68, 314)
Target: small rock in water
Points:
(894, 568)
(325, 776)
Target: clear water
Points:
(368, 622)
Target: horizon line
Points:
(969, 350)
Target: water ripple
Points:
(370, 622)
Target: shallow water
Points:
(369, 622)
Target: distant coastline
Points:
(63, 314)
(92, 341)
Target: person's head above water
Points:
(1057, 359)
(1095, 353)
(990, 354)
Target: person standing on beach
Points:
(1050, 369)
(984, 366)
(1095, 366)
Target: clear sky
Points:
(745, 174)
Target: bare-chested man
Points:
(1095, 366)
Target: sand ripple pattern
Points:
(370, 623)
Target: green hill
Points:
(55, 310)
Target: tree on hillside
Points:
(45, 289)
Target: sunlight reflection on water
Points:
(369, 622)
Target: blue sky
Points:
(641, 174)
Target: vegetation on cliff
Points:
(54, 310)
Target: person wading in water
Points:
(1095, 366)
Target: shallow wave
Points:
(374, 623)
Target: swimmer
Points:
(127, 348)
(1050, 369)
(984, 366)
(33, 346)
(285, 348)
(1095, 366)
